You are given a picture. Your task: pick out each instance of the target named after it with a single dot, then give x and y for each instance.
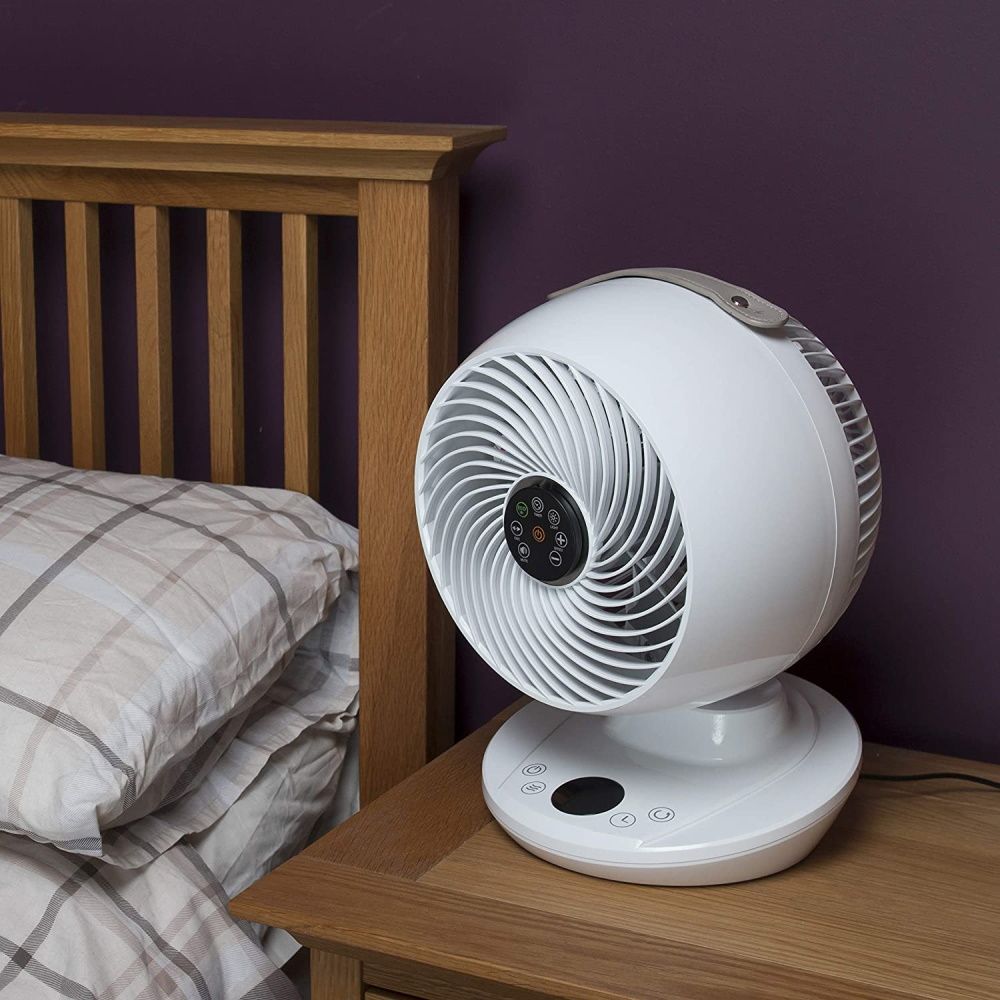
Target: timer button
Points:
(661, 814)
(537, 504)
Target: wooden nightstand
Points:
(422, 895)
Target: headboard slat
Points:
(83, 302)
(300, 294)
(152, 300)
(17, 315)
(225, 343)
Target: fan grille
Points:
(602, 636)
(860, 439)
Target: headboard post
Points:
(407, 342)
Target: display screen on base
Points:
(587, 796)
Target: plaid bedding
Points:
(315, 697)
(140, 620)
(76, 927)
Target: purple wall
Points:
(841, 158)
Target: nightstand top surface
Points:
(901, 899)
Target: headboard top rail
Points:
(278, 147)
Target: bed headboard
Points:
(401, 181)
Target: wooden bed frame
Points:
(401, 181)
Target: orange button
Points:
(538, 533)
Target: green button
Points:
(521, 508)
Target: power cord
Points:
(934, 776)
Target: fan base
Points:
(692, 796)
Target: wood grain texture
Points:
(523, 947)
(276, 148)
(411, 827)
(152, 300)
(83, 302)
(335, 977)
(180, 189)
(901, 899)
(225, 344)
(400, 842)
(407, 978)
(385, 994)
(300, 307)
(17, 316)
(312, 133)
(407, 335)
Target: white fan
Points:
(641, 502)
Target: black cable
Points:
(934, 776)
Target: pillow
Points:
(305, 788)
(276, 817)
(278, 944)
(278, 771)
(88, 931)
(273, 819)
(138, 617)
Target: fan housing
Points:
(643, 501)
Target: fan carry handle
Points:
(746, 306)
